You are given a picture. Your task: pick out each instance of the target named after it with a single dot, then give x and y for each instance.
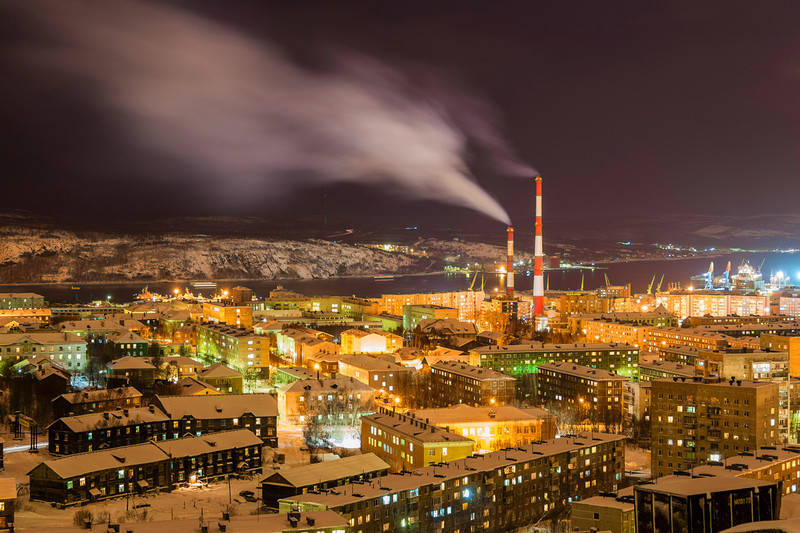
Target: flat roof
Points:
(594, 374)
(670, 367)
(568, 347)
(679, 485)
(605, 501)
(476, 372)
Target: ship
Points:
(204, 285)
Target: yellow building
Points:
(693, 303)
(370, 341)
(611, 331)
(466, 303)
(237, 347)
(226, 313)
(406, 443)
(493, 428)
(603, 513)
(656, 338)
(780, 343)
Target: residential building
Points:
(66, 349)
(358, 341)
(665, 369)
(109, 429)
(493, 428)
(189, 386)
(235, 315)
(783, 343)
(327, 475)
(453, 383)
(705, 504)
(376, 372)
(466, 303)
(519, 360)
(295, 344)
(493, 493)
(445, 332)
(136, 371)
(583, 302)
(21, 300)
(93, 401)
(343, 396)
(127, 343)
(603, 513)
(414, 314)
(145, 467)
(200, 415)
(289, 374)
(698, 420)
(97, 330)
(701, 303)
(223, 378)
(231, 345)
(407, 443)
(8, 502)
(590, 393)
(179, 366)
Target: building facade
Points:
(453, 383)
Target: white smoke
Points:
(242, 114)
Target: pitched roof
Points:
(456, 327)
(129, 362)
(462, 413)
(326, 384)
(368, 362)
(413, 428)
(471, 371)
(40, 337)
(8, 488)
(594, 374)
(101, 325)
(301, 476)
(218, 370)
(122, 457)
(218, 406)
(100, 395)
(181, 361)
(118, 336)
(190, 385)
(112, 419)
(211, 442)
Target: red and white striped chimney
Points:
(510, 265)
(538, 278)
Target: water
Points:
(637, 273)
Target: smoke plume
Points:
(242, 114)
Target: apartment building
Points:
(407, 443)
(235, 346)
(698, 420)
(593, 394)
(453, 382)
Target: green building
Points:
(520, 359)
(414, 314)
(21, 300)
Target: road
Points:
(24, 447)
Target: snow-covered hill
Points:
(40, 255)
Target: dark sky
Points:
(626, 108)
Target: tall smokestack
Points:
(538, 278)
(510, 265)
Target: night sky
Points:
(626, 108)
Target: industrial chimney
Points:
(538, 278)
(510, 265)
